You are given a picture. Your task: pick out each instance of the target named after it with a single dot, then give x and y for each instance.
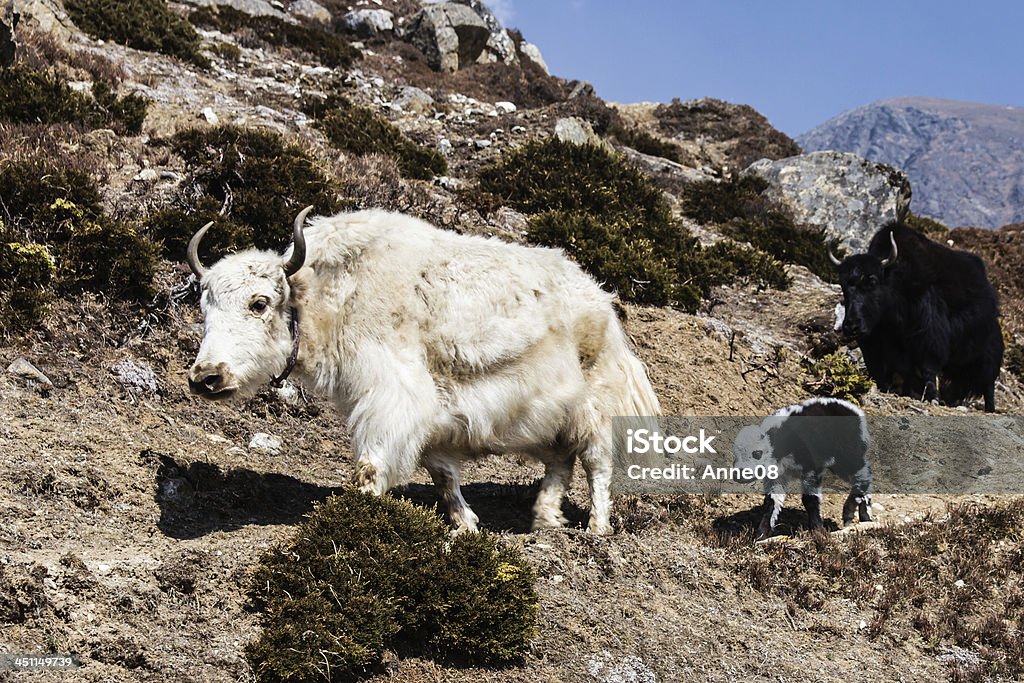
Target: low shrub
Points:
(331, 49)
(142, 24)
(1013, 359)
(739, 206)
(58, 240)
(837, 376)
(36, 96)
(608, 217)
(366, 573)
(359, 131)
(644, 142)
(252, 182)
(929, 226)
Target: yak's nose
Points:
(851, 328)
(205, 379)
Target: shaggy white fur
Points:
(438, 347)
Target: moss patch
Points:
(614, 223)
(331, 49)
(837, 376)
(739, 206)
(929, 226)
(367, 573)
(142, 24)
(251, 182)
(37, 96)
(359, 131)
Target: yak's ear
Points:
(297, 286)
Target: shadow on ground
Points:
(198, 498)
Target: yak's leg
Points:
(774, 498)
(547, 511)
(990, 398)
(391, 419)
(446, 476)
(597, 463)
(859, 499)
(811, 490)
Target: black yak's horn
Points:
(895, 252)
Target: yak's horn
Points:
(833, 259)
(298, 244)
(193, 252)
(895, 252)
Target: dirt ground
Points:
(132, 516)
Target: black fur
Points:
(930, 314)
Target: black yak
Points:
(925, 316)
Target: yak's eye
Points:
(756, 455)
(258, 306)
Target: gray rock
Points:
(136, 377)
(500, 46)
(266, 443)
(577, 131)
(845, 194)
(44, 16)
(449, 35)
(445, 147)
(369, 22)
(8, 23)
(146, 175)
(310, 9)
(532, 52)
(511, 220)
(505, 107)
(412, 99)
(22, 369)
(210, 116)
(254, 8)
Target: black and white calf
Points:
(837, 439)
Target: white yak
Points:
(437, 348)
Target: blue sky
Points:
(798, 62)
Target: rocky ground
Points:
(133, 514)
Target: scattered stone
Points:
(310, 9)
(511, 220)
(210, 116)
(369, 22)
(413, 99)
(450, 35)
(35, 378)
(505, 107)
(532, 52)
(482, 144)
(136, 377)
(448, 183)
(146, 175)
(288, 394)
(581, 89)
(984, 471)
(577, 131)
(445, 147)
(847, 195)
(265, 443)
(237, 451)
(518, 130)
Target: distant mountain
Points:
(965, 160)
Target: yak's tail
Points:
(632, 394)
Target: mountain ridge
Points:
(965, 160)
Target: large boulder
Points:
(450, 35)
(453, 35)
(254, 8)
(43, 16)
(847, 195)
